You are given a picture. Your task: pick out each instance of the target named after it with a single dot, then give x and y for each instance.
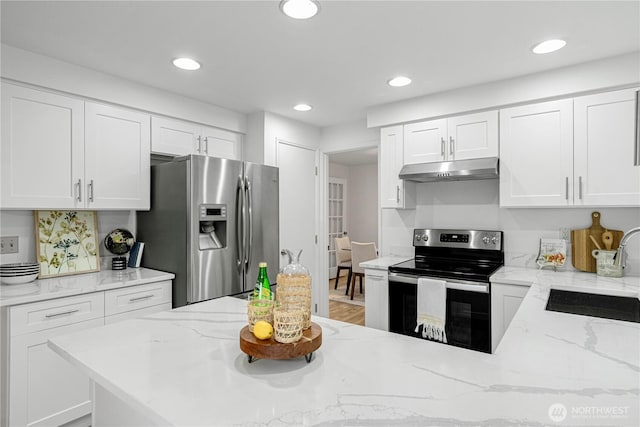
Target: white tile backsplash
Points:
(21, 224)
(475, 204)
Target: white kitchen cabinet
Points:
(536, 154)
(604, 173)
(117, 158)
(376, 311)
(178, 138)
(135, 301)
(42, 148)
(469, 136)
(43, 388)
(425, 142)
(394, 192)
(505, 301)
(59, 152)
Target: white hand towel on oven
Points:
(432, 308)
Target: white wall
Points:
(27, 67)
(474, 204)
(21, 224)
(363, 203)
(619, 71)
(348, 137)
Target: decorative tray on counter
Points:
(272, 349)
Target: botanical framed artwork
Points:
(66, 242)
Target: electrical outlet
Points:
(564, 234)
(9, 245)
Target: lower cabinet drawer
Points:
(137, 297)
(39, 316)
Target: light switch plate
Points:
(9, 245)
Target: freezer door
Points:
(214, 239)
(262, 225)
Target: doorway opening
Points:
(352, 211)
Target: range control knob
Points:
(494, 240)
(486, 240)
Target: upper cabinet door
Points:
(473, 136)
(117, 158)
(604, 150)
(42, 149)
(536, 154)
(221, 143)
(425, 142)
(174, 137)
(390, 157)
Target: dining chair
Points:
(360, 252)
(343, 259)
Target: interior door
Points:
(297, 166)
(337, 218)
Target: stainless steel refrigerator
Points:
(211, 222)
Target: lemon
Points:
(262, 330)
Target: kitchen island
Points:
(185, 367)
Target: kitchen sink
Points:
(585, 304)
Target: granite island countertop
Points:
(78, 284)
(185, 367)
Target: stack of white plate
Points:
(13, 274)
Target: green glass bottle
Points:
(263, 287)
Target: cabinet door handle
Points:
(206, 146)
(79, 184)
(140, 298)
(91, 191)
(580, 187)
(397, 194)
(566, 188)
(442, 143)
(451, 142)
(636, 160)
(62, 313)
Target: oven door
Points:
(468, 322)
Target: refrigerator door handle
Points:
(249, 217)
(240, 225)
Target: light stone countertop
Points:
(384, 262)
(77, 284)
(185, 367)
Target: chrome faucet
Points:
(618, 258)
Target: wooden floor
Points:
(345, 312)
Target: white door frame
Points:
(343, 182)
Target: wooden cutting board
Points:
(582, 245)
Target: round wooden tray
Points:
(272, 349)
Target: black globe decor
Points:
(119, 242)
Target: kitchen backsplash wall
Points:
(21, 224)
(475, 204)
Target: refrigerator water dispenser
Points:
(213, 227)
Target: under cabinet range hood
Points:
(457, 170)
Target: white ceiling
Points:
(254, 58)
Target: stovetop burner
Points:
(472, 255)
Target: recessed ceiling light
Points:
(548, 46)
(299, 9)
(186, 64)
(399, 81)
(302, 107)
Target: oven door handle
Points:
(451, 284)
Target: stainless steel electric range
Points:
(465, 259)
